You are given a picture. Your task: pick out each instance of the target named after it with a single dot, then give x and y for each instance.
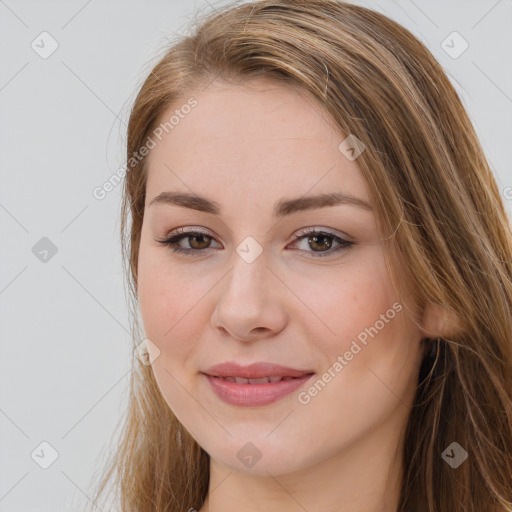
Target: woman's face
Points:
(246, 290)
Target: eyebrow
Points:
(282, 207)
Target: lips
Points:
(262, 380)
(255, 371)
(255, 385)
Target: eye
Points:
(320, 241)
(200, 241)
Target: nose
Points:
(250, 305)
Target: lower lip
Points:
(250, 395)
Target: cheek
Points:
(164, 293)
(348, 300)
(166, 303)
(155, 302)
(176, 307)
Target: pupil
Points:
(325, 245)
(204, 238)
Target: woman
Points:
(322, 264)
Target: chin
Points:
(261, 457)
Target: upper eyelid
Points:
(313, 229)
(179, 234)
(174, 238)
(193, 230)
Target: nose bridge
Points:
(248, 274)
(245, 303)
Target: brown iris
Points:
(326, 245)
(204, 238)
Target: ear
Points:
(438, 322)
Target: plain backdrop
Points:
(69, 72)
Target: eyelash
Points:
(172, 241)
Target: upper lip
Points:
(255, 370)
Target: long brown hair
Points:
(438, 210)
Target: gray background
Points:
(65, 343)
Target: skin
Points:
(246, 147)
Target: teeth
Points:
(262, 380)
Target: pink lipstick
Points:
(254, 385)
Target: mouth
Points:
(262, 380)
(255, 385)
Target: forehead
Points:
(240, 140)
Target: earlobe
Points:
(438, 322)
